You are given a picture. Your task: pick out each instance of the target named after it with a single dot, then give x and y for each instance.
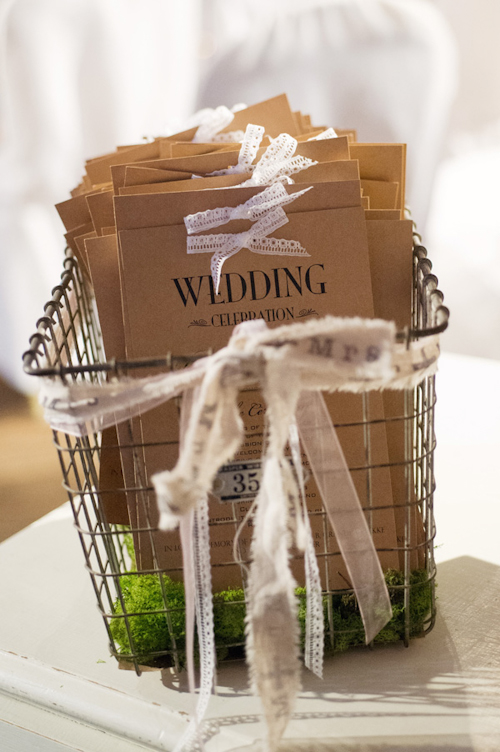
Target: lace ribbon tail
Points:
(207, 219)
(186, 535)
(250, 146)
(204, 607)
(192, 739)
(217, 263)
(344, 511)
(314, 645)
(277, 247)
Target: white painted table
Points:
(59, 689)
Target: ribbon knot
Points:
(278, 162)
(256, 207)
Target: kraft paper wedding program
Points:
(185, 313)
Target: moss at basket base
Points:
(348, 628)
(229, 616)
(150, 632)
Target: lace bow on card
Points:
(224, 245)
(278, 162)
(256, 207)
(250, 142)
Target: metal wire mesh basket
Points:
(67, 345)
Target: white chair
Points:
(385, 67)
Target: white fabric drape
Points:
(385, 67)
(78, 77)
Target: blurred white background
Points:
(79, 77)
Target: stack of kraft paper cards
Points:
(125, 224)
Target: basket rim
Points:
(422, 269)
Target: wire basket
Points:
(67, 345)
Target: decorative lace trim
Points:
(253, 209)
(315, 629)
(329, 133)
(250, 145)
(225, 245)
(278, 162)
(192, 739)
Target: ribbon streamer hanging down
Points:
(256, 207)
(224, 245)
(310, 357)
(315, 629)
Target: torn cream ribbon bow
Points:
(266, 208)
(324, 355)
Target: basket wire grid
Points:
(67, 345)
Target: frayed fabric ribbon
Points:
(224, 245)
(328, 354)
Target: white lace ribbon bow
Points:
(278, 162)
(255, 208)
(224, 245)
(211, 122)
(250, 143)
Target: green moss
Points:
(142, 594)
(149, 631)
(229, 616)
(348, 627)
